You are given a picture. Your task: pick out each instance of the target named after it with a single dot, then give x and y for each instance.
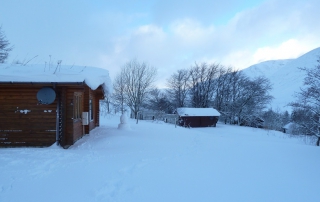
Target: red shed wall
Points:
(200, 121)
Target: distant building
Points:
(288, 128)
(198, 117)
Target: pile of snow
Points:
(124, 122)
(92, 76)
(285, 76)
(158, 162)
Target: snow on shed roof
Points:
(91, 76)
(197, 112)
(288, 125)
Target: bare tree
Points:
(158, 101)
(4, 47)
(222, 92)
(107, 101)
(119, 94)
(178, 87)
(203, 79)
(138, 79)
(240, 99)
(227, 93)
(308, 102)
(275, 119)
(252, 99)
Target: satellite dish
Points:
(46, 95)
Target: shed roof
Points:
(91, 76)
(288, 125)
(184, 111)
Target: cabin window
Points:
(91, 109)
(77, 106)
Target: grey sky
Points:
(167, 34)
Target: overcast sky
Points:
(168, 35)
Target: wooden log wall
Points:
(95, 96)
(98, 96)
(74, 130)
(62, 93)
(24, 122)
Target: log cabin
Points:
(42, 105)
(198, 117)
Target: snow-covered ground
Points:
(155, 161)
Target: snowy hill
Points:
(285, 76)
(155, 161)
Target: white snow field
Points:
(154, 161)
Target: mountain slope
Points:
(285, 76)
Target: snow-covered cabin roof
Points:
(288, 125)
(197, 112)
(91, 76)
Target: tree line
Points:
(238, 98)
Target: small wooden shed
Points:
(289, 127)
(198, 117)
(41, 105)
